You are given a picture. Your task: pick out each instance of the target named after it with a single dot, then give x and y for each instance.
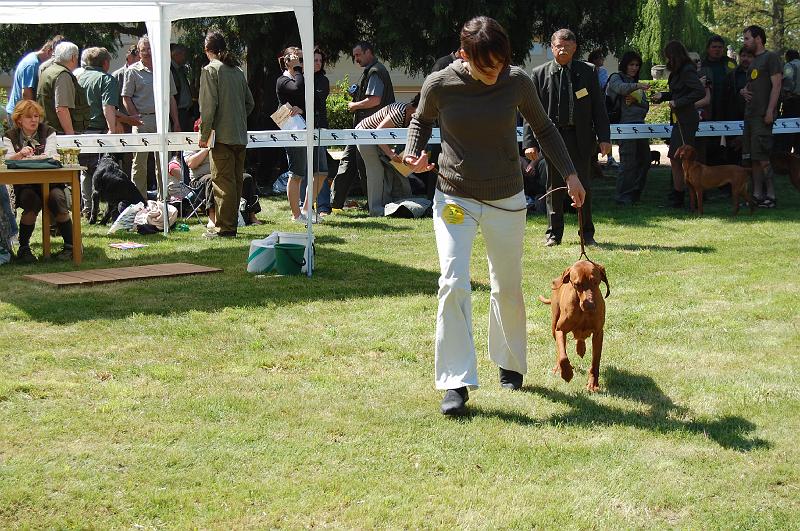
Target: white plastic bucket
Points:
(261, 258)
(300, 238)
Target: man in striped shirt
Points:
(383, 183)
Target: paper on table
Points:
(284, 119)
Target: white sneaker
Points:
(299, 219)
(210, 224)
(314, 217)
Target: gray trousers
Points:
(349, 168)
(89, 160)
(634, 157)
(383, 184)
(139, 166)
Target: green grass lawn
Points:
(240, 401)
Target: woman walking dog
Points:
(475, 100)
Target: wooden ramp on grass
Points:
(102, 276)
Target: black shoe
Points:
(227, 234)
(510, 379)
(590, 241)
(551, 242)
(454, 401)
(25, 256)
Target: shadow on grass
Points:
(609, 246)
(663, 415)
(367, 223)
(339, 275)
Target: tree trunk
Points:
(778, 25)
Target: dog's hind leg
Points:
(594, 373)
(563, 366)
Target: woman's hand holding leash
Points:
(418, 164)
(575, 190)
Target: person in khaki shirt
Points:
(139, 101)
(225, 103)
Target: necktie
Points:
(564, 96)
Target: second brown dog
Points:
(578, 307)
(700, 177)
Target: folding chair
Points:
(183, 192)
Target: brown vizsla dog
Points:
(578, 307)
(700, 177)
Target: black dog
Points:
(655, 158)
(113, 186)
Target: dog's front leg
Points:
(594, 373)
(109, 211)
(699, 201)
(562, 361)
(692, 196)
(95, 207)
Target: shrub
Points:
(338, 115)
(659, 112)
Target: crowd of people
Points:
(76, 94)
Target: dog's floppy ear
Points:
(604, 278)
(563, 279)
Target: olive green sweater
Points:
(225, 103)
(480, 156)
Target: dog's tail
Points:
(545, 301)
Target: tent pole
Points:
(305, 23)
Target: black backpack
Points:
(613, 105)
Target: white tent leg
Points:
(305, 22)
(159, 33)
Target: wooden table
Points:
(67, 175)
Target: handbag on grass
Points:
(37, 164)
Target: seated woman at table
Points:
(31, 138)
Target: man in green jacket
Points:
(225, 103)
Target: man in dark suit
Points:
(570, 93)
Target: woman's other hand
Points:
(418, 164)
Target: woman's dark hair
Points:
(627, 58)
(676, 55)
(215, 43)
(482, 38)
(318, 50)
(287, 52)
(415, 101)
(595, 55)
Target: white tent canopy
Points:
(158, 15)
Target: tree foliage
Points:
(19, 39)
(779, 18)
(659, 21)
(409, 36)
